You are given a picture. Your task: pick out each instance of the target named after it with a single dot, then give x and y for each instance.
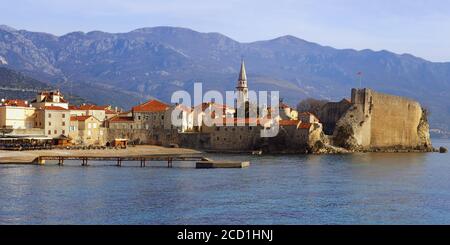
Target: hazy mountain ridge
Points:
(129, 67)
(15, 85)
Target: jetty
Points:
(143, 155)
(222, 164)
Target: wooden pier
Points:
(200, 161)
(143, 160)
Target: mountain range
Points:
(126, 68)
(15, 85)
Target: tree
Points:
(311, 105)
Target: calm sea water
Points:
(343, 189)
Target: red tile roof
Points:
(305, 125)
(111, 112)
(118, 119)
(151, 106)
(288, 122)
(89, 107)
(54, 108)
(79, 118)
(205, 105)
(93, 107)
(73, 107)
(15, 102)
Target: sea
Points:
(366, 188)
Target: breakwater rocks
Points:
(443, 149)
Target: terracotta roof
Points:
(73, 107)
(151, 106)
(205, 105)
(54, 108)
(89, 107)
(111, 112)
(118, 119)
(15, 102)
(305, 125)
(288, 122)
(124, 113)
(79, 118)
(93, 107)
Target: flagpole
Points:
(360, 81)
(360, 78)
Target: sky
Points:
(418, 27)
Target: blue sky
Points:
(418, 27)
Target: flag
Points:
(359, 73)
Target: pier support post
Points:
(169, 162)
(60, 161)
(84, 161)
(119, 162)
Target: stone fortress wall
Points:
(380, 121)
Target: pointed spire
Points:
(242, 74)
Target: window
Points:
(218, 138)
(64, 123)
(89, 125)
(55, 131)
(63, 115)
(95, 125)
(217, 129)
(49, 132)
(49, 123)
(49, 115)
(139, 117)
(64, 131)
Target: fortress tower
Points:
(241, 88)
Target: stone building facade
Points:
(86, 130)
(54, 120)
(17, 114)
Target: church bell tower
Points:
(242, 89)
